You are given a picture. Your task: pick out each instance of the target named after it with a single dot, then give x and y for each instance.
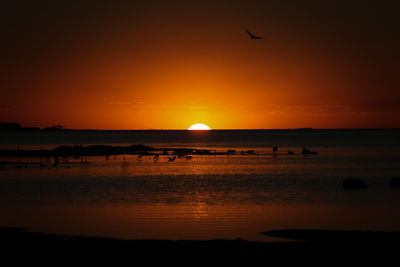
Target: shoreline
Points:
(313, 247)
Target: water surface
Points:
(205, 197)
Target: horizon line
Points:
(215, 129)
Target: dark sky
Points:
(168, 64)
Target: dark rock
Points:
(354, 184)
(395, 182)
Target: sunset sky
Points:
(170, 64)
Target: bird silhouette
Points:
(252, 36)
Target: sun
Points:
(199, 126)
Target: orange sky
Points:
(170, 64)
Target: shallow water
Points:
(208, 197)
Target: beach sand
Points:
(312, 248)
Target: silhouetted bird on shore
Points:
(252, 36)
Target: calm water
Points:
(206, 197)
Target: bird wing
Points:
(252, 35)
(249, 33)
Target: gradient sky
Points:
(169, 64)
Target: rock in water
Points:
(354, 184)
(395, 182)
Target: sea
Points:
(207, 196)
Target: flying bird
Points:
(252, 36)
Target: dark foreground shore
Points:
(313, 248)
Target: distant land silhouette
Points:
(15, 126)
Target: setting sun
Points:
(199, 126)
